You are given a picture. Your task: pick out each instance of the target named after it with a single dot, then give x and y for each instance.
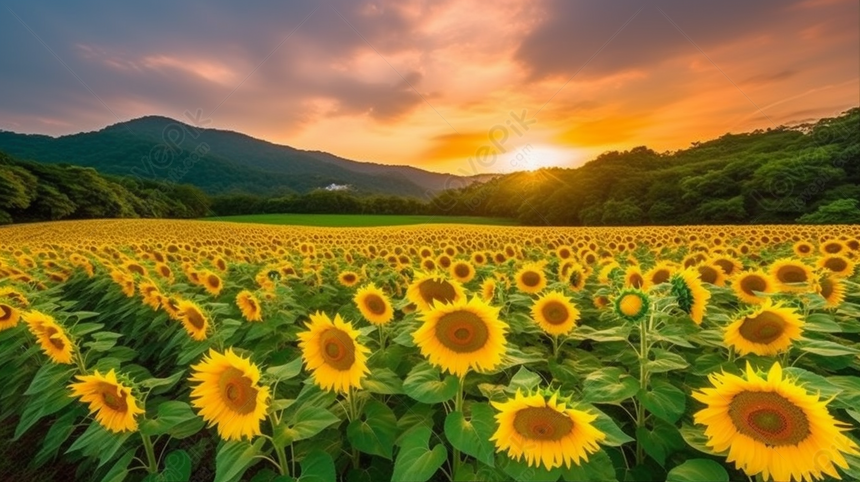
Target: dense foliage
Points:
(32, 191)
(153, 350)
(773, 176)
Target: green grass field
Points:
(359, 220)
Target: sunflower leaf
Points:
(423, 384)
(375, 432)
(698, 470)
(415, 460)
(472, 436)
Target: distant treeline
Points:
(808, 173)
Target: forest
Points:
(808, 173)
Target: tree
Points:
(843, 211)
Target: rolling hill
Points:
(219, 162)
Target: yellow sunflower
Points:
(228, 394)
(711, 273)
(374, 305)
(545, 431)
(838, 265)
(555, 313)
(348, 278)
(661, 273)
(767, 331)
(125, 282)
(150, 293)
(803, 248)
(530, 278)
(9, 316)
(249, 305)
(427, 289)
(331, 350)
(772, 426)
(461, 336)
(462, 271)
(632, 304)
(747, 283)
(14, 295)
(488, 290)
(832, 290)
(112, 401)
(790, 275)
(196, 323)
(211, 282)
(692, 297)
(51, 336)
(633, 277)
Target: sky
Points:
(450, 86)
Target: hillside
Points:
(218, 161)
(772, 176)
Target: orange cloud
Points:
(456, 146)
(605, 131)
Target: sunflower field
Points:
(178, 350)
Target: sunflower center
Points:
(575, 278)
(630, 305)
(752, 283)
(763, 328)
(53, 339)
(530, 279)
(803, 248)
(833, 248)
(114, 402)
(542, 423)
(791, 274)
(374, 304)
(708, 274)
(5, 312)
(436, 290)
(195, 318)
(727, 266)
(826, 288)
(660, 276)
(338, 349)
(237, 391)
(555, 313)
(462, 331)
(636, 280)
(461, 270)
(213, 280)
(349, 278)
(769, 418)
(836, 264)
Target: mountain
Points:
(218, 161)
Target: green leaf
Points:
(698, 470)
(376, 432)
(665, 401)
(599, 467)
(162, 384)
(609, 385)
(103, 341)
(821, 322)
(826, 348)
(49, 377)
(651, 444)
(174, 418)
(308, 421)
(317, 466)
(525, 380)
(472, 436)
(41, 406)
(287, 370)
(96, 441)
(665, 361)
(59, 432)
(423, 384)
(177, 467)
(234, 458)
(119, 470)
(416, 461)
(696, 438)
(615, 437)
(519, 471)
(383, 381)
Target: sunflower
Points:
(832, 290)
(125, 282)
(730, 265)
(632, 304)
(228, 394)
(633, 277)
(249, 305)
(555, 313)
(576, 277)
(211, 282)
(462, 271)
(114, 405)
(374, 305)
(838, 265)
(193, 319)
(531, 278)
(461, 336)
(600, 302)
(790, 275)
(772, 426)
(150, 294)
(661, 273)
(767, 331)
(691, 295)
(746, 284)
(9, 316)
(348, 278)
(832, 247)
(331, 350)
(427, 289)
(14, 295)
(803, 248)
(545, 431)
(51, 336)
(711, 273)
(488, 289)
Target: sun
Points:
(531, 157)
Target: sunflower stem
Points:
(458, 407)
(644, 349)
(151, 462)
